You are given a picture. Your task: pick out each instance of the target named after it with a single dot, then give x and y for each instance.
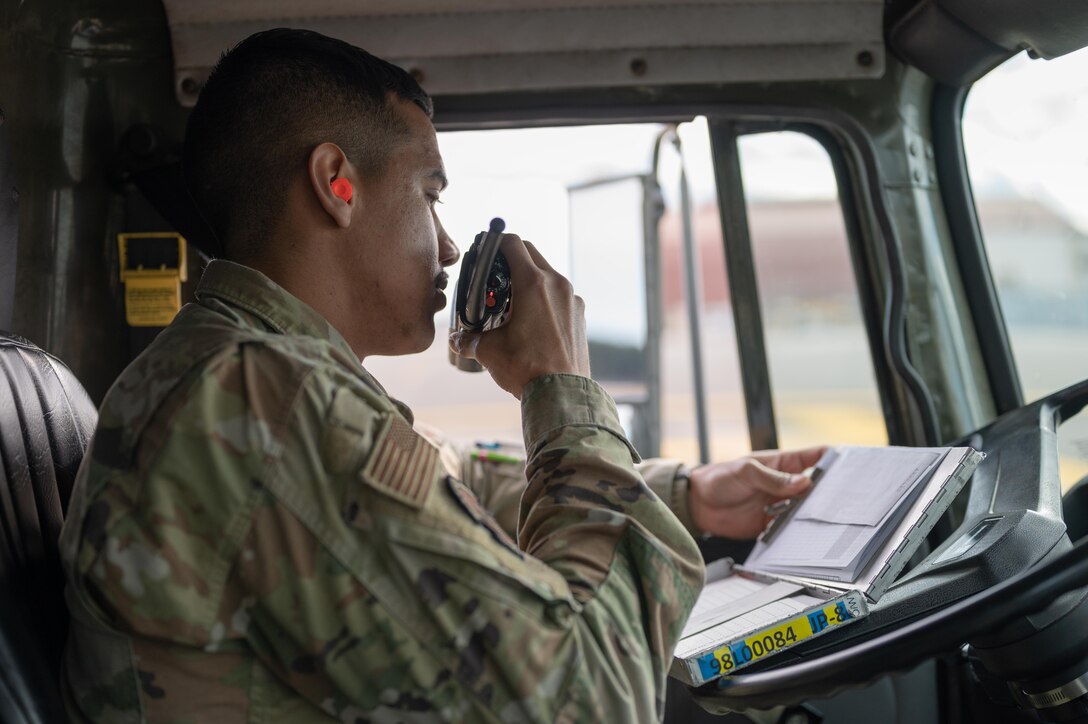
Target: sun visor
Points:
(488, 46)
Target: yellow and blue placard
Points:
(732, 656)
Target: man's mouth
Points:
(442, 280)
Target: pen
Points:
(488, 456)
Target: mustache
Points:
(442, 280)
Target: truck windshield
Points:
(1027, 154)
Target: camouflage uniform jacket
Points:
(258, 534)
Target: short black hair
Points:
(267, 104)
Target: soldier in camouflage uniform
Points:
(258, 533)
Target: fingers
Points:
(730, 498)
(523, 256)
(776, 483)
(464, 343)
(544, 332)
(791, 461)
(522, 262)
(537, 257)
(474, 345)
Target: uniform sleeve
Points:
(585, 495)
(669, 480)
(498, 480)
(377, 586)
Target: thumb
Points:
(778, 483)
(464, 343)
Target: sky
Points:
(523, 175)
(1025, 131)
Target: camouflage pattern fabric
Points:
(499, 480)
(258, 534)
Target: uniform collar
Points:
(252, 291)
(248, 289)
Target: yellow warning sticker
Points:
(152, 301)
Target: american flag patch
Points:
(403, 464)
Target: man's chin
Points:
(408, 339)
(421, 341)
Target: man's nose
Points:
(448, 253)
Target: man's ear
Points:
(328, 163)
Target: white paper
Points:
(732, 597)
(864, 484)
(812, 543)
(850, 513)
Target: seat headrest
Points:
(46, 422)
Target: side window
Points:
(822, 380)
(698, 282)
(588, 198)
(604, 205)
(1027, 156)
(531, 178)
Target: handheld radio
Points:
(482, 294)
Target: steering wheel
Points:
(1008, 582)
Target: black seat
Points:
(46, 421)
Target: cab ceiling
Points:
(494, 46)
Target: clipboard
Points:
(747, 613)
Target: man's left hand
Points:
(728, 499)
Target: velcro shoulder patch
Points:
(472, 505)
(403, 465)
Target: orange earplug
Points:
(342, 188)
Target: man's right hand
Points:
(546, 329)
